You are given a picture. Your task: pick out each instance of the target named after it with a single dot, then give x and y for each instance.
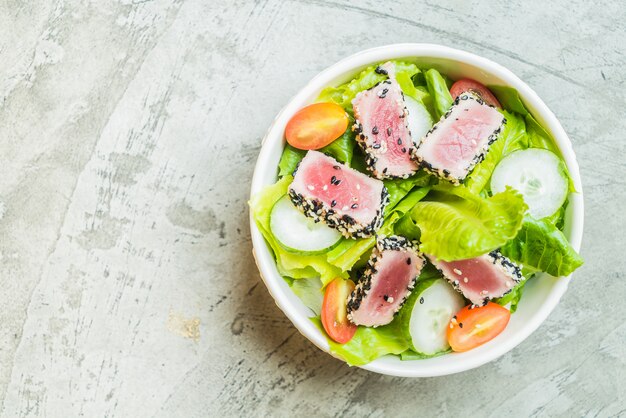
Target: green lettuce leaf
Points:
(289, 160)
(348, 251)
(457, 224)
(341, 149)
(343, 94)
(309, 290)
(438, 89)
(541, 246)
(514, 296)
(558, 218)
(341, 258)
(409, 355)
(289, 264)
(512, 138)
(408, 88)
(538, 137)
(368, 344)
(509, 99)
(398, 188)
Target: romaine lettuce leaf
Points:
(541, 246)
(558, 218)
(509, 99)
(398, 188)
(457, 224)
(368, 343)
(309, 291)
(412, 355)
(349, 251)
(512, 138)
(289, 264)
(438, 89)
(289, 160)
(342, 257)
(406, 84)
(341, 149)
(538, 137)
(514, 296)
(343, 94)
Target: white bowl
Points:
(540, 296)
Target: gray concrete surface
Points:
(128, 136)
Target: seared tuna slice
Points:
(382, 130)
(345, 199)
(481, 278)
(388, 280)
(460, 139)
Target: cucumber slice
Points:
(299, 234)
(419, 119)
(426, 315)
(538, 174)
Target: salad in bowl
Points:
(411, 208)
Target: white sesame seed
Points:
(325, 187)
(390, 299)
(345, 208)
(484, 292)
(358, 186)
(310, 187)
(465, 280)
(457, 271)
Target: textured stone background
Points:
(128, 136)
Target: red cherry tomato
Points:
(316, 126)
(466, 84)
(473, 326)
(334, 311)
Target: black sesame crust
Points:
(370, 150)
(348, 226)
(443, 173)
(391, 243)
(512, 270)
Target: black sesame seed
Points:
(460, 324)
(380, 70)
(336, 167)
(333, 203)
(403, 150)
(333, 179)
(388, 131)
(408, 261)
(399, 141)
(421, 301)
(375, 130)
(385, 170)
(376, 146)
(337, 182)
(354, 206)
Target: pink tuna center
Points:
(480, 275)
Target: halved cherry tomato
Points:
(467, 84)
(334, 311)
(473, 326)
(316, 126)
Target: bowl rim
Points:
(266, 263)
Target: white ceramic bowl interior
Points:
(540, 295)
